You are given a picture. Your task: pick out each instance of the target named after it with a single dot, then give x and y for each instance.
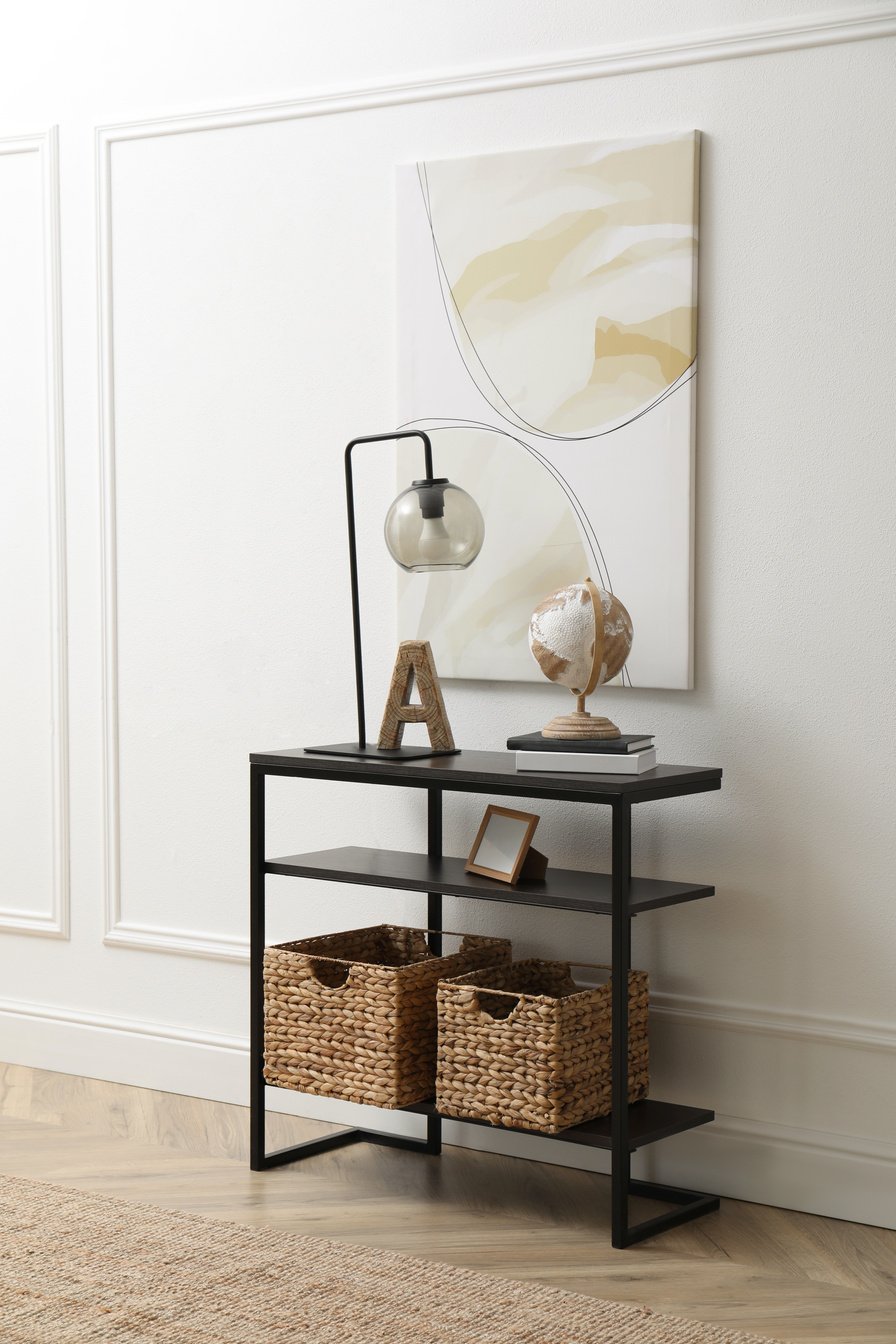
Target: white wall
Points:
(246, 314)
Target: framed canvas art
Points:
(547, 342)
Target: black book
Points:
(592, 745)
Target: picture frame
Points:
(503, 849)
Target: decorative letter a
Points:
(415, 662)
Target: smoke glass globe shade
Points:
(432, 526)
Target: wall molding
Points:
(811, 1028)
(108, 542)
(837, 1175)
(825, 28)
(814, 30)
(180, 942)
(25, 1010)
(791, 1136)
(120, 932)
(55, 923)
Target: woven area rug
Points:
(77, 1268)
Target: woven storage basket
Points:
(353, 1015)
(522, 1045)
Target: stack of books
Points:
(631, 755)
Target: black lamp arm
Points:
(353, 549)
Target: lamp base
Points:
(369, 752)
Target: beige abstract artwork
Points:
(547, 342)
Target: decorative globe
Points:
(574, 651)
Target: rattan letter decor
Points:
(415, 663)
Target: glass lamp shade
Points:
(434, 525)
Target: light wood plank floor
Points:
(787, 1275)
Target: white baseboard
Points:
(840, 1176)
(837, 1175)
(123, 1050)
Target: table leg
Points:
(621, 957)
(256, 968)
(434, 923)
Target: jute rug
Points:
(78, 1268)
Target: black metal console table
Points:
(617, 894)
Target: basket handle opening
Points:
(498, 1004)
(329, 974)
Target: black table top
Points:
(492, 772)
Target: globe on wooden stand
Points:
(580, 637)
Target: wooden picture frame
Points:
(506, 855)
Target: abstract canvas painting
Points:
(547, 342)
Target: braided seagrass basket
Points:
(522, 1045)
(353, 1015)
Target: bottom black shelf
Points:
(648, 1121)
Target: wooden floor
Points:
(790, 1276)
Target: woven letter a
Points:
(415, 662)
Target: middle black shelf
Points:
(561, 889)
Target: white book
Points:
(587, 762)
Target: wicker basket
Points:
(353, 1015)
(523, 1045)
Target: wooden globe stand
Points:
(580, 725)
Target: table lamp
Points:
(432, 526)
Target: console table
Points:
(617, 894)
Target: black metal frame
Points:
(689, 1204)
(259, 1158)
(361, 747)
